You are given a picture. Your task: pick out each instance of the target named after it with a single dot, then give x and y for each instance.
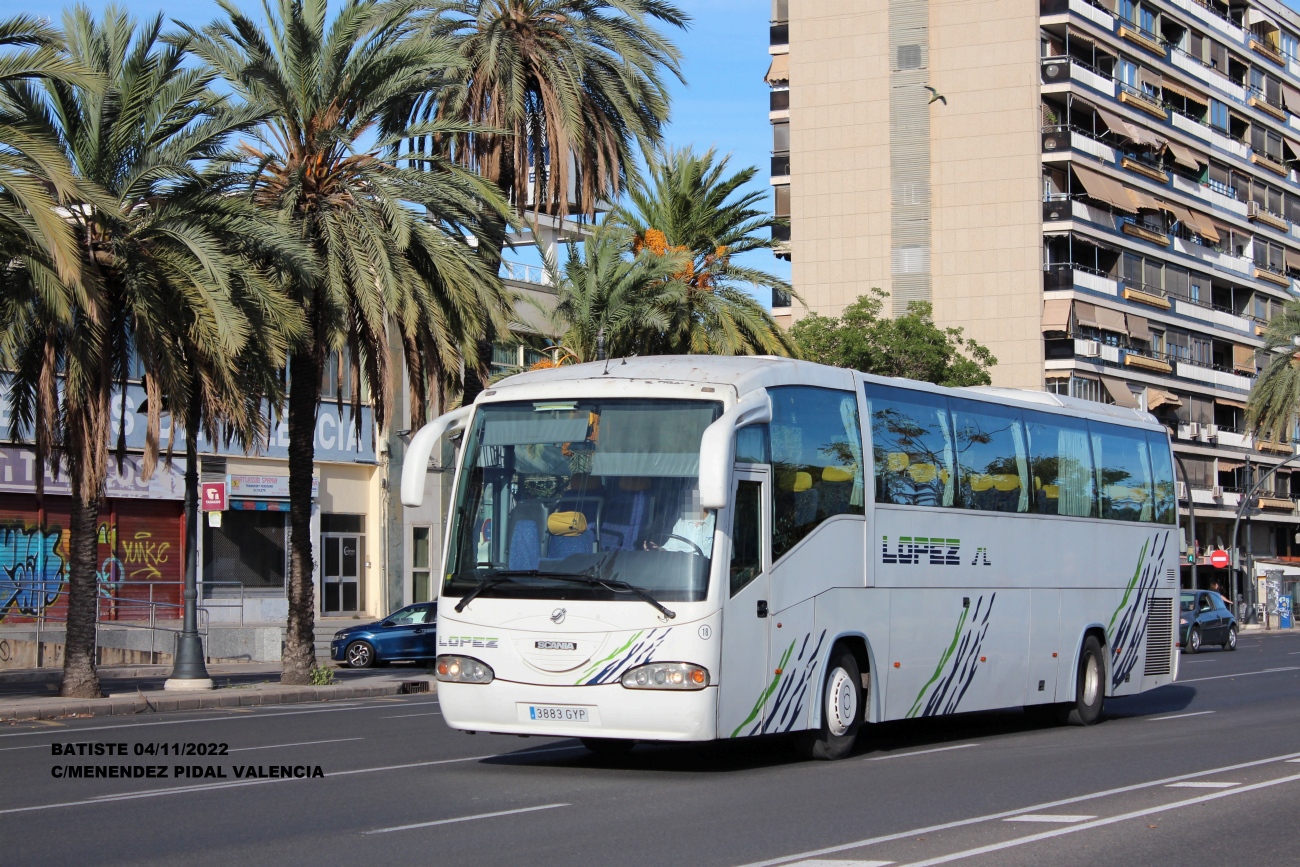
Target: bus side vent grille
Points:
(1171, 576)
(1160, 636)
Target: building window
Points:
(782, 194)
(247, 549)
(1290, 45)
(781, 137)
(421, 571)
(1219, 115)
(1086, 389)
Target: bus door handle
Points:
(762, 608)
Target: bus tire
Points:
(609, 746)
(1089, 686)
(842, 710)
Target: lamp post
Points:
(188, 670)
(1246, 499)
(1191, 517)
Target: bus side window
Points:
(1060, 462)
(751, 445)
(992, 464)
(1162, 469)
(1123, 472)
(816, 443)
(911, 446)
(746, 535)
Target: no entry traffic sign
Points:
(1220, 559)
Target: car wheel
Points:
(609, 746)
(1194, 640)
(1090, 685)
(1231, 643)
(842, 712)
(360, 654)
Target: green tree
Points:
(163, 272)
(1274, 402)
(910, 346)
(691, 207)
(385, 214)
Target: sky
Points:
(723, 103)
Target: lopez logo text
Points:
(915, 550)
(556, 645)
(465, 641)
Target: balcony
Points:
(520, 272)
(1279, 503)
(779, 34)
(1214, 376)
(1140, 231)
(1263, 49)
(1272, 277)
(778, 100)
(1143, 362)
(1267, 162)
(1258, 100)
(781, 233)
(1141, 38)
(1061, 70)
(1142, 101)
(1145, 169)
(1062, 139)
(781, 165)
(779, 298)
(1150, 299)
(1226, 142)
(1257, 214)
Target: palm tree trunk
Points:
(80, 679)
(304, 396)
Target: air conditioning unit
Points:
(1182, 490)
(1252, 209)
(1211, 431)
(1194, 430)
(1089, 348)
(1217, 492)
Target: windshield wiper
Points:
(585, 577)
(503, 576)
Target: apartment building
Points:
(1104, 192)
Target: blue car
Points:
(1204, 619)
(410, 633)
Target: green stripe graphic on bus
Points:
(1127, 629)
(944, 690)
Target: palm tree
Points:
(578, 81)
(691, 206)
(339, 159)
(164, 268)
(1274, 403)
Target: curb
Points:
(160, 702)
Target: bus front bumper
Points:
(610, 711)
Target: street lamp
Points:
(188, 670)
(1191, 516)
(1241, 507)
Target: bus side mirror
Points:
(416, 464)
(718, 447)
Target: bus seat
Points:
(802, 482)
(838, 474)
(564, 546)
(626, 515)
(1006, 481)
(525, 545)
(566, 523)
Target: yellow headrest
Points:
(1006, 481)
(980, 482)
(922, 473)
(802, 482)
(633, 483)
(838, 474)
(1052, 492)
(896, 462)
(566, 524)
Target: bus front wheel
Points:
(1090, 685)
(842, 710)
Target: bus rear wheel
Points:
(1089, 687)
(842, 711)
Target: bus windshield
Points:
(594, 488)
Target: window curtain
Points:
(852, 432)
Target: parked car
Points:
(1203, 619)
(410, 633)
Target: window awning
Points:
(1137, 328)
(1185, 92)
(1144, 201)
(1115, 123)
(1257, 16)
(1243, 358)
(1182, 215)
(1185, 156)
(1143, 136)
(1157, 398)
(1150, 77)
(1119, 392)
(1235, 404)
(1085, 314)
(1056, 314)
(779, 70)
(1226, 464)
(1111, 320)
(1098, 186)
(1057, 374)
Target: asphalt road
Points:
(1204, 771)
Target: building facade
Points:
(1103, 192)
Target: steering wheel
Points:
(698, 549)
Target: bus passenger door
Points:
(744, 679)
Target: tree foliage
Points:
(1274, 402)
(910, 346)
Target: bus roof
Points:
(748, 372)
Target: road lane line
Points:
(919, 752)
(1242, 674)
(816, 863)
(31, 747)
(1098, 823)
(1198, 784)
(298, 744)
(1048, 818)
(466, 818)
(961, 823)
(405, 715)
(1178, 716)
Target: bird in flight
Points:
(936, 96)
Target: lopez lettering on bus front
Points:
(934, 551)
(466, 641)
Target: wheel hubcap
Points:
(1091, 682)
(1232, 638)
(1196, 640)
(359, 655)
(841, 703)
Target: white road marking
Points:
(405, 715)
(961, 823)
(1098, 823)
(1048, 818)
(181, 790)
(177, 722)
(1242, 674)
(32, 747)
(298, 744)
(1199, 784)
(1178, 716)
(466, 818)
(919, 752)
(816, 863)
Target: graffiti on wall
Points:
(32, 568)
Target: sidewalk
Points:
(132, 690)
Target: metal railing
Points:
(525, 273)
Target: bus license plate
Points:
(556, 713)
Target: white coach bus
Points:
(694, 548)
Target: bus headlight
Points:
(463, 669)
(666, 675)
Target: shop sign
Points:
(261, 487)
(213, 496)
(18, 475)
